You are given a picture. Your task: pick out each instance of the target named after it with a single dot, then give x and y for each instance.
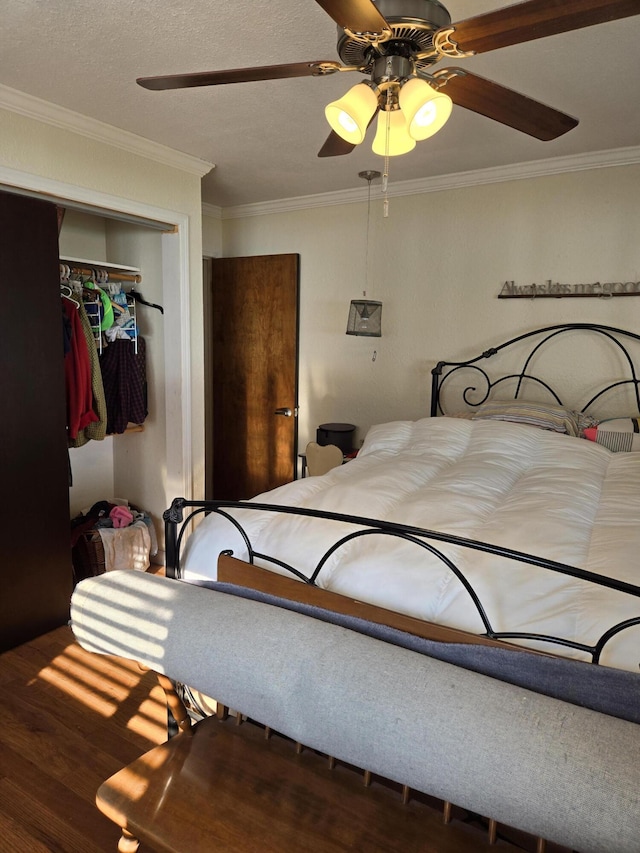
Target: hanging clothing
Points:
(141, 361)
(124, 384)
(96, 430)
(77, 372)
(66, 329)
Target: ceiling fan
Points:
(397, 42)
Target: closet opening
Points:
(102, 261)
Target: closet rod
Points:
(114, 276)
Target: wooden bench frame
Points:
(230, 784)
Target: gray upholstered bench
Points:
(553, 769)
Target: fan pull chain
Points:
(369, 179)
(387, 145)
(385, 182)
(385, 176)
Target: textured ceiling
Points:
(264, 137)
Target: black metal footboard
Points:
(177, 525)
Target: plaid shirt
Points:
(124, 381)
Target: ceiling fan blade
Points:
(239, 75)
(358, 16)
(335, 146)
(506, 106)
(536, 19)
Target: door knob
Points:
(285, 412)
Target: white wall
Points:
(92, 474)
(83, 236)
(438, 263)
(211, 232)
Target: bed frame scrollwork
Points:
(513, 384)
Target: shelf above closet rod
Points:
(116, 272)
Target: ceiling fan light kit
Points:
(350, 116)
(397, 42)
(392, 135)
(426, 109)
(408, 110)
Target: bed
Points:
(481, 522)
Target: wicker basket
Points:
(88, 555)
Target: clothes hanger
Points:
(107, 307)
(138, 298)
(66, 293)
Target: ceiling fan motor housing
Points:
(413, 23)
(388, 71)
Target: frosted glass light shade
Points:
(349, 117)
(426, 109)
(399, 140)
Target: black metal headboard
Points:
(538, 339)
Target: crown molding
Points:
(211, 210)
(65, 119)
(439, 183)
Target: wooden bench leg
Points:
(175, 703)
(128, 843)
(493, 831)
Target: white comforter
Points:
(528, 489)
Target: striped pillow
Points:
(616, 434)
(555, 418)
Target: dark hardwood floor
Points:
(68, 720)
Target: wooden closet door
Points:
(35, 570)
